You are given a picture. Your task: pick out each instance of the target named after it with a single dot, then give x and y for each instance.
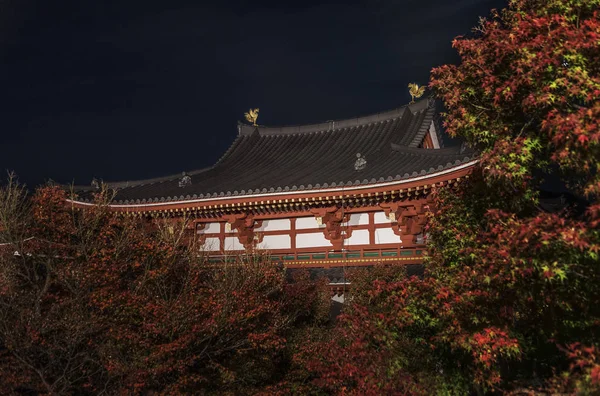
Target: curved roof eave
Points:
(149, 206)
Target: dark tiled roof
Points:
(267, 160)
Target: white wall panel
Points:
(307, 222)
(359, 237)
(380, 218)
(274, 225)
(211, 228)
(359, 219)
(316, 239)
(271, 242)
(233, 243)
(212, 245)
(386, 235)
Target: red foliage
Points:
(97, 302)
(528, 83)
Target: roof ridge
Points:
(331, 125)
(421, 131)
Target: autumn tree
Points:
(526, 95)
(93, 302)
(508, 301)
(46, 329)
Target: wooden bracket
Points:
(332, 218)
(244, 225)
(408, 219)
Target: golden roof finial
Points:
(252, 116)
(415, 91)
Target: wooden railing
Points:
(363, 253)
(373, 254)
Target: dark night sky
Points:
(125, 90)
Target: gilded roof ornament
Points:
(415, 91)
(252, 116)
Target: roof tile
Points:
(266, 160)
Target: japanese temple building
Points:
(342, 193)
